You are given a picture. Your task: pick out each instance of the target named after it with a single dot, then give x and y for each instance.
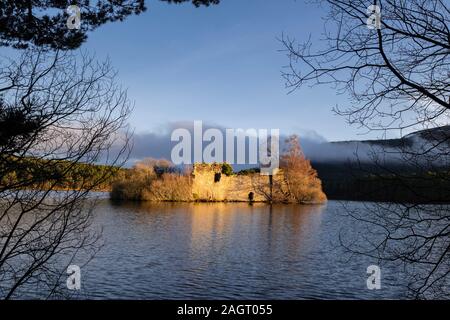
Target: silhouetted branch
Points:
(59, 112)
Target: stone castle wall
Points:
(209, 184)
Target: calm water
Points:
(228, 251)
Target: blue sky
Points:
(221, 65)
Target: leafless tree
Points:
(58, 111)
(397, 78)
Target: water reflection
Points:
(222, 251)
(213, 228)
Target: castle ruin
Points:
(210, 184)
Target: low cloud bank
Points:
(315, 146)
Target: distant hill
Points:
(370, 169)
(364, 150)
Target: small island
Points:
(158, 180)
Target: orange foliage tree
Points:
(301, 183)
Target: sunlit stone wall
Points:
(209, 184)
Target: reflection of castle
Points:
(210, 184)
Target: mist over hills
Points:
(316, 148)
(390, 149)
(386, 170)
